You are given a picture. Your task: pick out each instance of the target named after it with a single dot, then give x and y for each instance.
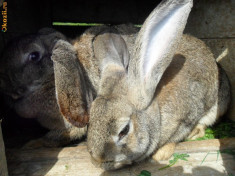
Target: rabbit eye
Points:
(124, 132)
(34, 56)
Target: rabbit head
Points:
(26, 68)
(124, 121)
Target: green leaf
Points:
(224, 129)
(144, 173)
(176, 157)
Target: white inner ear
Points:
(159, 38)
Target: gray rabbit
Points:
(171, 89)
(27, 80)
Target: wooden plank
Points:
(194, 166)
(74, 161)
(3, 164)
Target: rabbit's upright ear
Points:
(112, 52)
(155, 46)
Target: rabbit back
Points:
(188, 89)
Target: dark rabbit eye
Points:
(124, 131)
(34, 56)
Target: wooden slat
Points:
(205, 146)
(204, 160)
(3, 164)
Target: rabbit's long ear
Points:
(71, 88)
(155, 46)
(112, 52)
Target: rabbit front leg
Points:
(57, 138)
(198, 131)
(165, 152)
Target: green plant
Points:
(227, 151)
(144, 173)
(224, 129)
(66, 167)
(177, 157)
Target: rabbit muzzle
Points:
(109, 164)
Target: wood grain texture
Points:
(75, 161)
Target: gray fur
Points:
(162, 108)
(29, 86)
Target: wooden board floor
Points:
(204, 160)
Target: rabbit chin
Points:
(111, 165)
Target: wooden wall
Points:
(3, 164)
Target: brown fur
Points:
(162, 95)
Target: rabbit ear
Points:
(110, 48)
(112, 52)
(72, 92)
(155, 46)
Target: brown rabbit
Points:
(172, 84)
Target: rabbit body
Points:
(172, 85)
(186, 95)
(188, 90)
